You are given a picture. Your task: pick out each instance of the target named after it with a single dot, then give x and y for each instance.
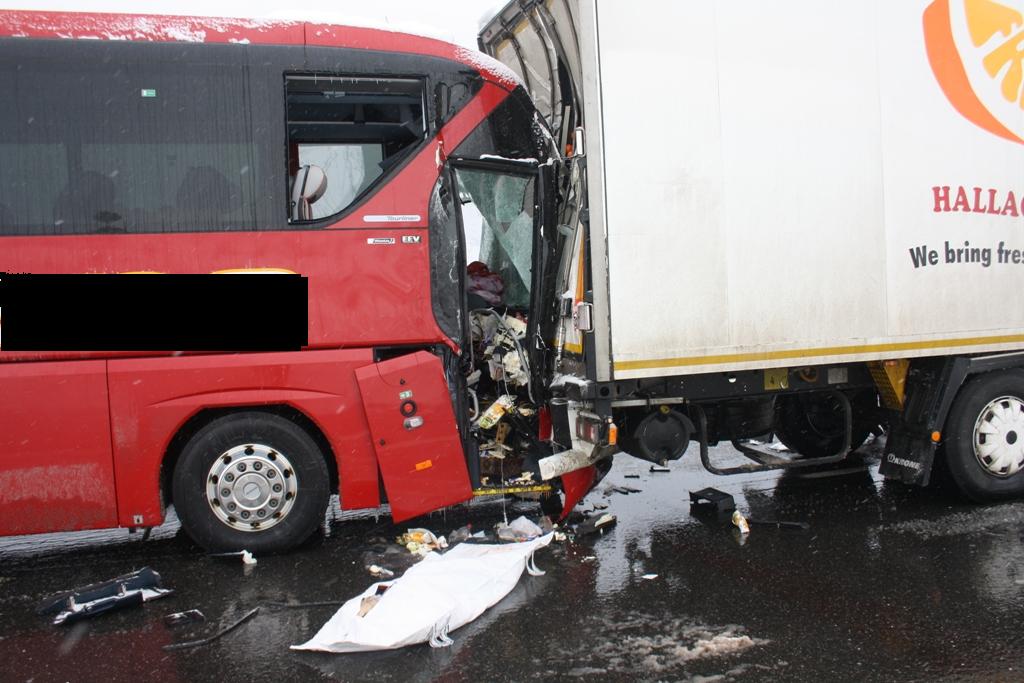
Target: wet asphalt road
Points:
(889, 583)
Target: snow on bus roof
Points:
(196, 29)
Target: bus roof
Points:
(191, 29)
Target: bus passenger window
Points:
(355, 130)
(110, 137)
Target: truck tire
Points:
(984, 440)
(250, 481)
(812, 424)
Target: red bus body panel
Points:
(151, 398)
(55, 467)
(63, 429)
(423, 466)
(360, 294)
(172, 28)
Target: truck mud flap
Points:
(415, 434)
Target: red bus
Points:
(377, 165)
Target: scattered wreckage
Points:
(429, 586)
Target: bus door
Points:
(505, 226)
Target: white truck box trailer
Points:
(795, 216)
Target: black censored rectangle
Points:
(150, 312)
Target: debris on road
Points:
(438, 595)
(377, 570)
(519, 529)
(246, 557)
(649, 577)
(388, 555)
(798, 526)
(740, 522)
(711, 497)
(596, 524)
(216, 636)
(128, 590)
(421, 541)
(659, 468)
(612, 488)
(302, 605)
(192, 616)
(461, 534)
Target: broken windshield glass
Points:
(497, 215)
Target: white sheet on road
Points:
(438, 595)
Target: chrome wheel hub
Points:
(251, 487)
(999, 436)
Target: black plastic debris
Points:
(192, 616)
(712, 498)
(596, 524)
(129, 590)
(659, 468)
(216, 636)
(778, 524)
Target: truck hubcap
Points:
(997, 436)
(251, 487)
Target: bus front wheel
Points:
(250, 481)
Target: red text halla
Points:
(977, 200)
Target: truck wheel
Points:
(812, 424)
(984, 445)
(250, 481)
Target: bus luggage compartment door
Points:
(56, 467)
(415, 435)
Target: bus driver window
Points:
(353, 130)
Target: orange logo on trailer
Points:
(976, 49)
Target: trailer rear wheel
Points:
(252, 481)
(984, 444)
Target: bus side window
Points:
(110, 137)
(354, 129)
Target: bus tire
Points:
(250, 481)
(984, 440)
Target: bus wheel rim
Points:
(251, 487)
(999, 436)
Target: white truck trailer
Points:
(799, 217)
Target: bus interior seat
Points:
(309, 185)
(87, 201)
